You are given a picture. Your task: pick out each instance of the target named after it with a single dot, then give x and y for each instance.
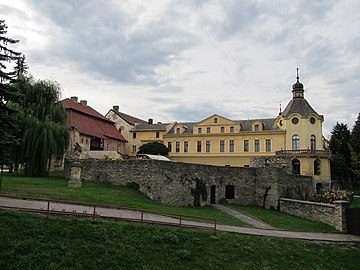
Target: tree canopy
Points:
(154, 148)
(355, 149)
(7, 93)
(43, 129)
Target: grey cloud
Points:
(101, 40)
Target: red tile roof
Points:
(89, 122)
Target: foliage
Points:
(341, 157)
(331, 196)
(30, 241)
(296, 193)
(355, 148)
(7, 93)
(154, 148)
(43, 127)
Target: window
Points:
(208, 130)
(177, 147)
(222, 129)
(118, 148)
(313, 142)
(295, 142)
(215, 120)
(246, 145)
(268, 145)
(229, 192)
(170, 146)
(257, 145)
(82, 140)
(317, 167)
(222, 146)
(186, 146)
(199, 130)
(312, 120)
(108, 146)
(134, 135)
(157, 134)
(295, 120)
(198, 146)
(231, 129)
(177, 130)
(208, 145)
(256, 127)
(231, 146)
(133, 149)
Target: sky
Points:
(185, 60)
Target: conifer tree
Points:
(355, 150)
(7, 93)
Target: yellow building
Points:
(294, 135)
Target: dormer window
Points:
(177, 130)
(199, 130)
(256, 127)
(215, 120)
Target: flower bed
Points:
(331, 196)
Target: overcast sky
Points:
(185, 60)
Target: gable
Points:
(216, 120)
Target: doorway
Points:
(212, 194)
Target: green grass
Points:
(30, 241)
(55, 187)
(284, 221)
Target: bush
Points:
(331, 196)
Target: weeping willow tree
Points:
(44, 133)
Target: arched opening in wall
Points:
(213, 194)
(317, 167)
(318, 188)
(229, 192)
(312, 143)
(295, 142)
(295, 166)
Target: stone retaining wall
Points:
(331, 214)
(184, 184)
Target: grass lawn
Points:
(30, 241)
(55, 187)
(284, 221)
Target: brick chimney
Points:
(83, 102)
(75, 99)
(116, 108)
(150, 121)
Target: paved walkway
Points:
(134, 214)
(243, 217)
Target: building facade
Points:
(95, 134)
(294, 135)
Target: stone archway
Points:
(295, 166)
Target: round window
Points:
(312, 120)
(281, 123)
(295, 120)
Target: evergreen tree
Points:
(7, 94)
(154, 148)
(341, 156)
(355, 150)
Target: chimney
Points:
(83, 102)
(75, 99)
(116, 108)
(150, 121)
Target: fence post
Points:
(180, 222)
(48, 208)
(215, 227)
(94, 212)
(142, 217)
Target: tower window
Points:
(313, 143)
(295, 142)
(295, 120)
(312, 120)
